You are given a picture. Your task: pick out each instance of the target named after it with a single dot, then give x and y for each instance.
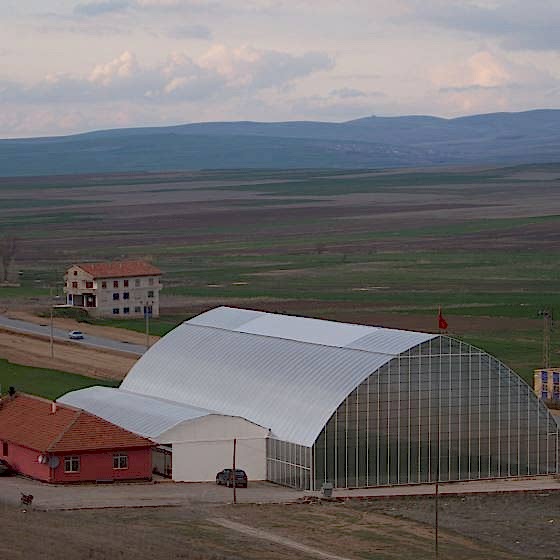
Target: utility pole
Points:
(233, 471)
(52, 334)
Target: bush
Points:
(77, 313)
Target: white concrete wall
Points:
(200, 461)
(204, 446)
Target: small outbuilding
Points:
(52, 442)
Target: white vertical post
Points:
(459, 415)
(449, 409)
(335, 483)
(470, 415)
(408, 437)
(367, 432)
(479, 416)
(378, 426)
(430, 412)
(419, 409)
(388, 423)
(399, 421)
(357, 434)
(346, 444)
(509, 424)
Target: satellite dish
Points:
(40, 459)
(54, 461)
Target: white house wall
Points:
(204, 446)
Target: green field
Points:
(379, 247)
(47, 383)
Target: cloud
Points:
(486, 70)
(102, 7)
(220, 73)
(190, 32)
(518, 24)
(123, 67)
(348, 93)
(490, 81)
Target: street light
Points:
(52, 305)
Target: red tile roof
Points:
(119, 269)
(28, 421)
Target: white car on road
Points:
(76, 335)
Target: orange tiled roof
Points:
(120, 269)
(28, 421)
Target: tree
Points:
(8, 249)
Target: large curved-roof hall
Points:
(311, 401)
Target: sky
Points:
(71, 66)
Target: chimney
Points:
(53, 408)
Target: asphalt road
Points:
(60, 334)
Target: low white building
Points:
(114, 289)
(201, 441)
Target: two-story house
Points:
(114, 289)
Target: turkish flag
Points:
(442, 322)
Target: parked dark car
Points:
(226, 477)
(5, 469)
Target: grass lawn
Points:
(157, 327)
(47, 383)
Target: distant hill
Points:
(496, 138)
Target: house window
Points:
(74, 284)
(556, 377)
(125, 282)
(137, 282)
(126, 310)
(5, 448)
(115, 310)
(544, 376)
(89, 285)
(120, 461)
(125, 295)
(151, 281)
(544, 395)
(137, 309)
(103, 284)
(115, 283)
(75, 273)
(150, 293)
(72, 464)
(115, 296)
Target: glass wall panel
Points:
(442, 410)
(290, 464)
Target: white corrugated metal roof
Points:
(146, 416)
(288, 374)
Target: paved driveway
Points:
(168, 493)
(137, 494)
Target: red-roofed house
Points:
(58, 443)
(114, 289)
